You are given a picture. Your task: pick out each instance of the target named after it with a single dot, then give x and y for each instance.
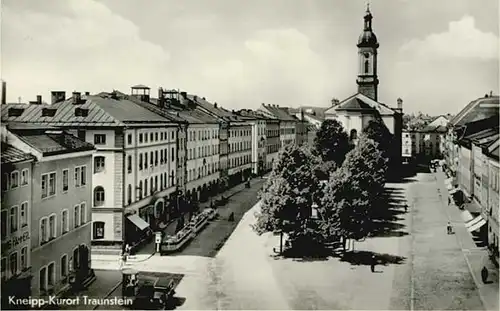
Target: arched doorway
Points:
(159, 211)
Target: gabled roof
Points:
(251, 114)
(280, 113)
(480, 108)
(362, 103)
(51, 142)
(11, 154)
(477, 126)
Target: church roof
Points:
(362, 103)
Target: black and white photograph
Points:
(250, 154)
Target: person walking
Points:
(373, 262)
(484, 274)
(449, 228)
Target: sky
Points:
(435, 55)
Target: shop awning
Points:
(138, 221)
(475, 224)
(466, 216)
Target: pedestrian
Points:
(448, 228)
(484, 275)
(373, 263)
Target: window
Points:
(64, 266)
(83, 213)
(52, 184)
(129, 194)
(5, 181)
(13, 263)
(129, 139)
(24, 214)
(151, 160)
(145, 192)
(173, 154)
(24, 258)
(65, 180)
(4, 224)
(146, 160)
(43, 279)
(44, 233)
(64, 221)
(77, 177)
(99, 139)
(151, 187)
(98, 196)
(173, 135)
(52, 227)
(98, 229)
(140, 137)
(13, 219)
(14, 179)
(156, 158)
(76, 216)
(156, 136)
(140, 161)
(140, 190)
(51, 274)
(99, 162)
(145, 137)
(24, 177)
(129, 164)
(83, 171)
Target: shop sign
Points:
(15, 241)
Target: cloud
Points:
(462, 40)
(88, 47)
(274, 66)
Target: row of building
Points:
(95, 172)
(104, 169)
(471, 152)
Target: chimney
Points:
(400, 103)
(87, 93)
(195, 98)
(160, 97)
(215, 105)
(4, 92)
(57, 96)
(485, 95)
(184, 95)
(204, 98)
(77, 97)
(39, 99)
(491, 93)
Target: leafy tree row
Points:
(344, 179)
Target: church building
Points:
(357, 110)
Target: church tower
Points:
(367, 59)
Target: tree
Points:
(377, 131)
(331, 142)
(349, 198)
(287, 196)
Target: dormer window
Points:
(48, 112)
(81, 112)
(15, 112)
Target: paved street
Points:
(421, 266)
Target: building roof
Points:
(217, 111)
(51, 142)
(103, 109)
(477, 126)
(362, 103)
(439, 124)
(252, 114)
(141, 86)
(478, 109)
(281, 113)
(11, 154)
(126, 110)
